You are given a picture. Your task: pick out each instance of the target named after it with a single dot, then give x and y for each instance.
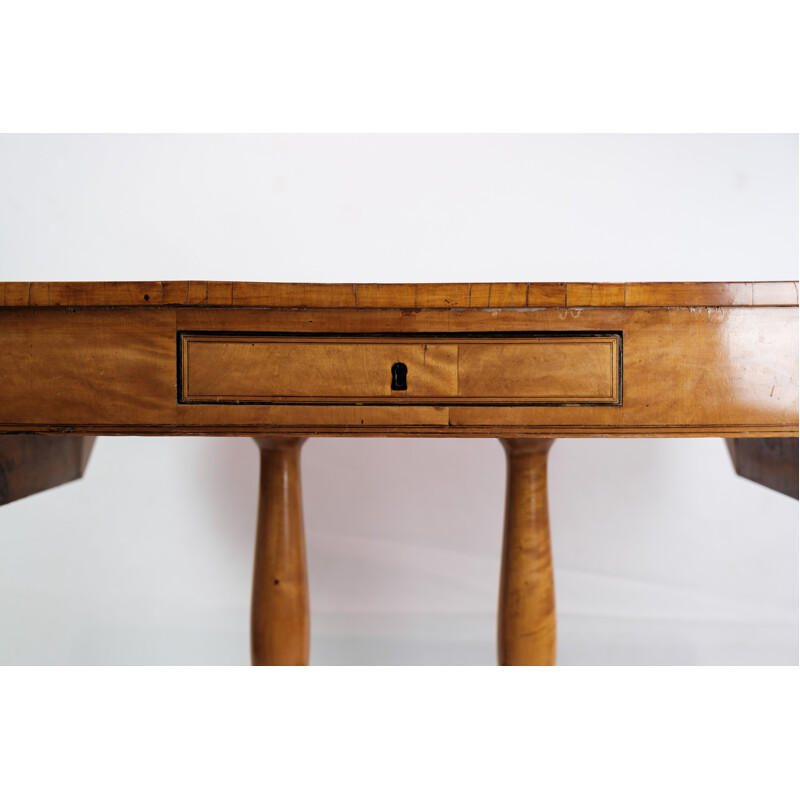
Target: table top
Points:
(399, 295)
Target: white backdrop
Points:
(662, 555)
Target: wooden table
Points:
(526, 363)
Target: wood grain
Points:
(687, 359)
(540, 370)
(377, 295)
(526, 622)
(333, 370)
(87, 366)
(687, 294)
(686, 372)
(595, 294)
(280, 627)
(216, 368)
(30, 463)
(407, 295)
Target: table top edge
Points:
(234, 294)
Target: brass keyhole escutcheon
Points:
(399, 372)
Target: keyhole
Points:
(399, 372)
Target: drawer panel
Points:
(552, 369)
(337, 369)
(439, 369)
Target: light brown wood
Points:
(31, 463)
(526, 619)
(397, 295)
(685, 372)
(595, 294)
(684, 294)
(280, 628)
(770, 462)
(324, 370)
(540, 370)
(502, 295)
(442, 295)
(332, 370)
(527, 362)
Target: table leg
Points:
(526, 624)
(279, 615)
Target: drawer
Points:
(429, 369)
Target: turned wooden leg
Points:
(279, 624)
(526, 623)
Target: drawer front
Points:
(530, 369)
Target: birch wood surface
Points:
(397, 295)
(280, 627)
(526, 621)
